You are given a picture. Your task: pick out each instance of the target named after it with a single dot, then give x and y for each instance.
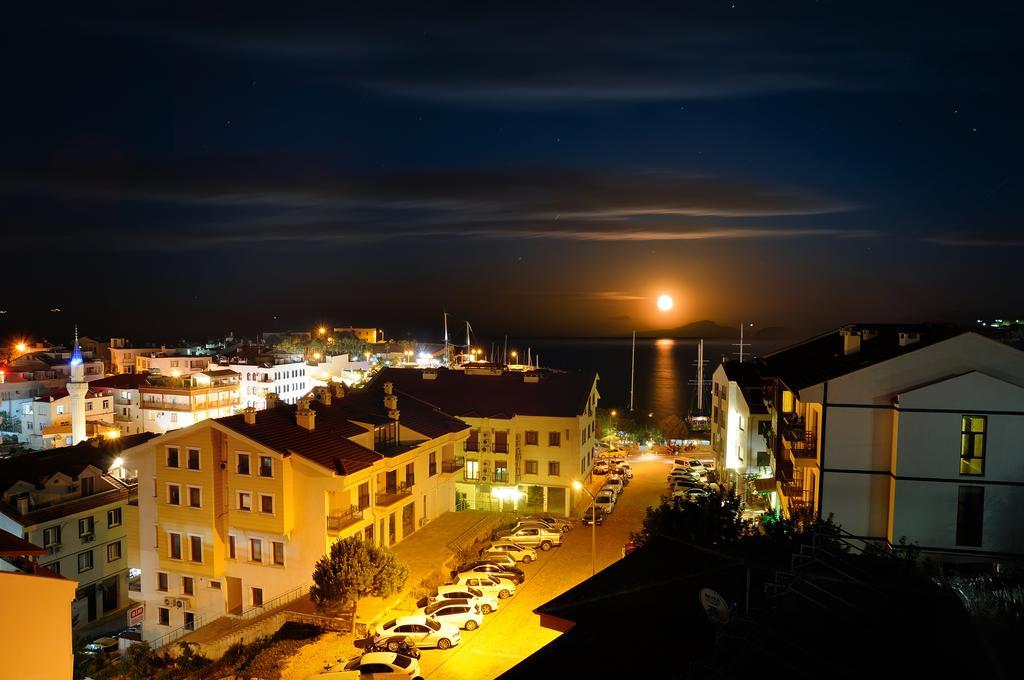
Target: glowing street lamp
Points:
(21, 347)
(578, 485)
(614, 413)
(321, 330)
(515, 355)
(316, 355)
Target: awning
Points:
(766, 484)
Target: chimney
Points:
(339, 390)
(389, 388)
(23, 504)
(250, 415)
(323, 395)
(272, 400)
(851, 341)
(304, 415)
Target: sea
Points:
(665, 367)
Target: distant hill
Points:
(709, 330)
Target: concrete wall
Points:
(35, 627)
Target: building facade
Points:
(903, 433)
(236, 511)
(172, 403)
(739, 424)
(72, 502)
(532, 432)
(288, 379)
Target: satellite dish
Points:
(715, 606)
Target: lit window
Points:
(266, 466)
(472, 469)
(972, 445)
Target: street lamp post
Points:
(578, 485)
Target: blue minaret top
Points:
(76, 353)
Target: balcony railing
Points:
(501, 448)
(195, 406)
(338, 521)
(452, 465)
(392, 494)
(472, 445)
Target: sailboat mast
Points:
(447, 357)
(632, 372)
(700, 376)
(741, 343)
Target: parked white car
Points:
(487, 603)
(461, 613)
(605, 501)
(613, 483)
(624, 469)
(424, 631)
(520, 553)
(487, 584)
(501, 558)
(384, 662)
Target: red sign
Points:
(136, 614)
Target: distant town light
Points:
(614, 413)
(21, 347)
(316, 355)
(321, 330)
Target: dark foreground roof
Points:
(821, 358)
(750, 382)
(476, 395)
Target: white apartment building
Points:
(168, 403)
(170, 364)
(739, 423)
(288, 379)
(903, 432)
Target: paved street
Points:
(513, 632)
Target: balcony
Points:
(188, 407)
(336, 522)
(121, 418)
(471, 445)
(501, 447)
(392, 495)
(452, 465)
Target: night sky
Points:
(536, 170)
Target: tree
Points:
(353, 569)
(138, 661)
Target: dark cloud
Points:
(290, 200)
(571, 55)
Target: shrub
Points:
(353, 569)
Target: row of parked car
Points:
(618, 472)
(475, 590)
(688, 479)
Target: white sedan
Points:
(605, 501)
(487, 603)
(384, 662)
(423, 631)
(461, 613)
(487, 584)
(517, 552)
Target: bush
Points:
(353, 569)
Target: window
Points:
(244, 501)
(243, 464)
(174, 494)
(106, 403)
(161, 581)
(266, 466)
(972, 445)
(410, 474)
(364, 495)
(473, 442)
(256, 549)
(267, 503)
(231, 546)
(500, 471)
(172, 456)
(86, 526)
(500, 441)
(84, 561)
(175, 545)
(51, 536)
(164, 616)
(530, 467)
(532, 437)
(970, 514)
(432, 464)
(215, 585)
(257, 597)
(195, 497)
(196, 548)
(554, 468)
(472, 469)
(114, 551)
(554, 438)
(188, 585)
(193, 459)
(60, 410)
(88, 486)
(278, 552)
(113, 518)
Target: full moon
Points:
(665, 303)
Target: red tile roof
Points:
(461, 393)
(15, 546)
(124, 381)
